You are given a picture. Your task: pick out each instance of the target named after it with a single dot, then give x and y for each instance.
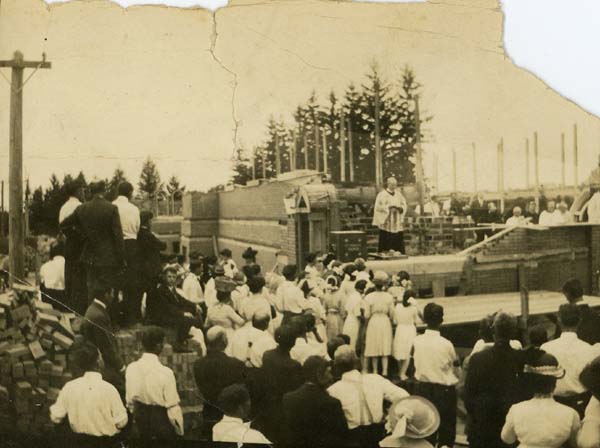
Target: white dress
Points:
(406, 318)
(379, 307)
(351, 326)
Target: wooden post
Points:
(378, 161)
(454, 184)
(527, 169)
(277, 155)
(342, 146)
(264, 163)
(419, 167)
(2, 229)
(305, 144)
(475, 189)
(325, 153)
(524, 294)
(562, 159)
(16, 244)
(292, 150)
(575, 157)
(317, 148)
(536, 167)
(350, 151)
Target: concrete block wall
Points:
(200, 222)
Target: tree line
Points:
(375, 109)
(44, 203)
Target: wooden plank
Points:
(439, 287)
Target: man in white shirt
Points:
(191, 287)
(388, 216)
(436, 363)
(573, 355)
(290, 299)
(549, 217)
(210, 290)
(593, 207)
(52, 278)
(129, 214)
(76, 292)
(362, 397)
(244, 337)
(564, 216)
(151, 391)
(235, 403)
(517, 219)
(263, 342)
(92, 406)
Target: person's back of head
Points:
(145, 217)
(573, 290)
(345, 359)
(569, 316)
(590, 377)
(234, 401)
(285, 336)
(486, 333)
(333, 344)
(505, 327)
(153, 339)
(408, 294)
(289, 272)
(84, 356)
(317, 370)
(216, 339)
(538, 335)
(345, 338)
(251, 270)
(98, 187)
(72, 189)
(56, 250)
(360, 286)
(256, 284)
(125, 189)
(433, 315)
(261, 320)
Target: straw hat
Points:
(224, 284)
(411, 417)
(545, 365)
(380, 278)
(239, 278)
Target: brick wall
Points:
(261, 202)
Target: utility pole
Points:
(305, 143)
(342, 146)
(536, 169)
(263, 156)
(350, 151)
(378, 161)
(293, 151)
(419, 156)
(317, 150)
(325, 156)
(277, 155)
(16, 245)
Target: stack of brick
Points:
(34, 339)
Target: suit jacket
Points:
(149, 247)
(492, 386)
(213, 373)
(97, 328)
(313, 418)
(98, 222)
(588, 329)
(164, 306)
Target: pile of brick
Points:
(34, 340)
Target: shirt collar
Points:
(432, 332)
(98, 302)
(353, 375)
(92, 376)
(392, 193)
(229, 419)
(568, 335)
(122, 198)
(150, 357)
(74, 199)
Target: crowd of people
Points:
(327, 355)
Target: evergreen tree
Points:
(242, 167)
(150, 179)
(175, 188)
(112, 185)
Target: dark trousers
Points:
(56, 298)
(152, 422)
(367, 436)
(130, 285)
(391, 241)
(444, 399)
(578, 402)
(76, 291)
(86, 441)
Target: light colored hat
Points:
(545, 365)
(239, 278)
(381, 278)
(224, 284)
(412, 417)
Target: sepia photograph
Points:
(296, 223)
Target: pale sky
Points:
(557, 42)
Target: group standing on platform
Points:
(328, 355)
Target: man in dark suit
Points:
(311, 416)
(215, 372)
(588, 329)
(76, 294)
(150, 247)
(98, 222)
(98, 329)
(492, 386)
(165, 307)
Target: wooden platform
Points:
(460, 310)
(422, 264)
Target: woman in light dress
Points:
(379, 309)
(222, 313)
(312, 295)
(541, 421)
(406, 317)
(401, 283)
(333, 303)
(354, 313)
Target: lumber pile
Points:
(34, 340)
